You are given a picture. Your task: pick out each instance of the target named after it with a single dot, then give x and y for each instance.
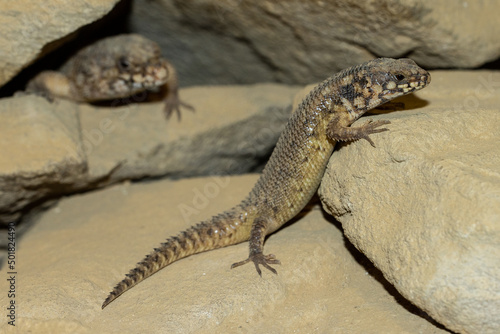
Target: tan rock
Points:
(29, 26)
(231, 129)
(35, 144)
(424, 205)
(305, 41)
(52, 149)
(89, 241)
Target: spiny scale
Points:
(294, 171)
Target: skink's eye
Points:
(123, 63)
(400, 76)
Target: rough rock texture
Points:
(299, 41)
(223, 42)
(89, 241)
(424, 205)
(34, 145)
(29, 26)
(58, 148)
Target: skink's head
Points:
(118, 67)
(139, 63)
(386, 79)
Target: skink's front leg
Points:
(172, 101)
(337, 132)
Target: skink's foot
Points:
(370, 128)
(337, 132)
(260, 259)
(173, 104)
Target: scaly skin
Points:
(296, 167)
(113, 68)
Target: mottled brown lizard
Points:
(112, 68)
(294, 171)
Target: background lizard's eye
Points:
(123, 63)
(400, 76)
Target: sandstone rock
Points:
(34, 162)
(213, 42)
(305, 41)
(57, 148)
(90, 241)
(29, 26)
(230, 132)
(424, 205)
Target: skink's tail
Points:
(228, 228)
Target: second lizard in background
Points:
(112, 68)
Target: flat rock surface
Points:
(77, 251)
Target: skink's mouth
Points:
(423, 80)
(416, 83)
